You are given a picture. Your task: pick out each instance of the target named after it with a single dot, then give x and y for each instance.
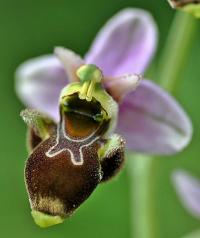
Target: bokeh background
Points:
(32, 28)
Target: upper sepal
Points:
(125, 44)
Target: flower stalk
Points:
(143, 168)
(176, 51)
(142, 196)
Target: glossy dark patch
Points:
(81, 117)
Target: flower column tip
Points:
(89, 75)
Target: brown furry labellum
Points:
(67, 164)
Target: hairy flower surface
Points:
(69, 159)
(79, 104)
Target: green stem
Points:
(142, 191)
(142, 167)
(176, 51)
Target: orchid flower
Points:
(90, 99)
(188, 189)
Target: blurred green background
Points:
(32, 28)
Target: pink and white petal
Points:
(70, 60)
(153, 122)
(125, 44)
(119, 87)
(188, 189)
(39, 82)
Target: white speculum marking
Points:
(73, 146)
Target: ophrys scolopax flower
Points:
(69, 160)
(77, 149)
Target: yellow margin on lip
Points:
(44, 220)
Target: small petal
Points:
(188, 189)
(152, 121)
(39, 82)
(118, 87)
(70, 60)
(125, 44)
